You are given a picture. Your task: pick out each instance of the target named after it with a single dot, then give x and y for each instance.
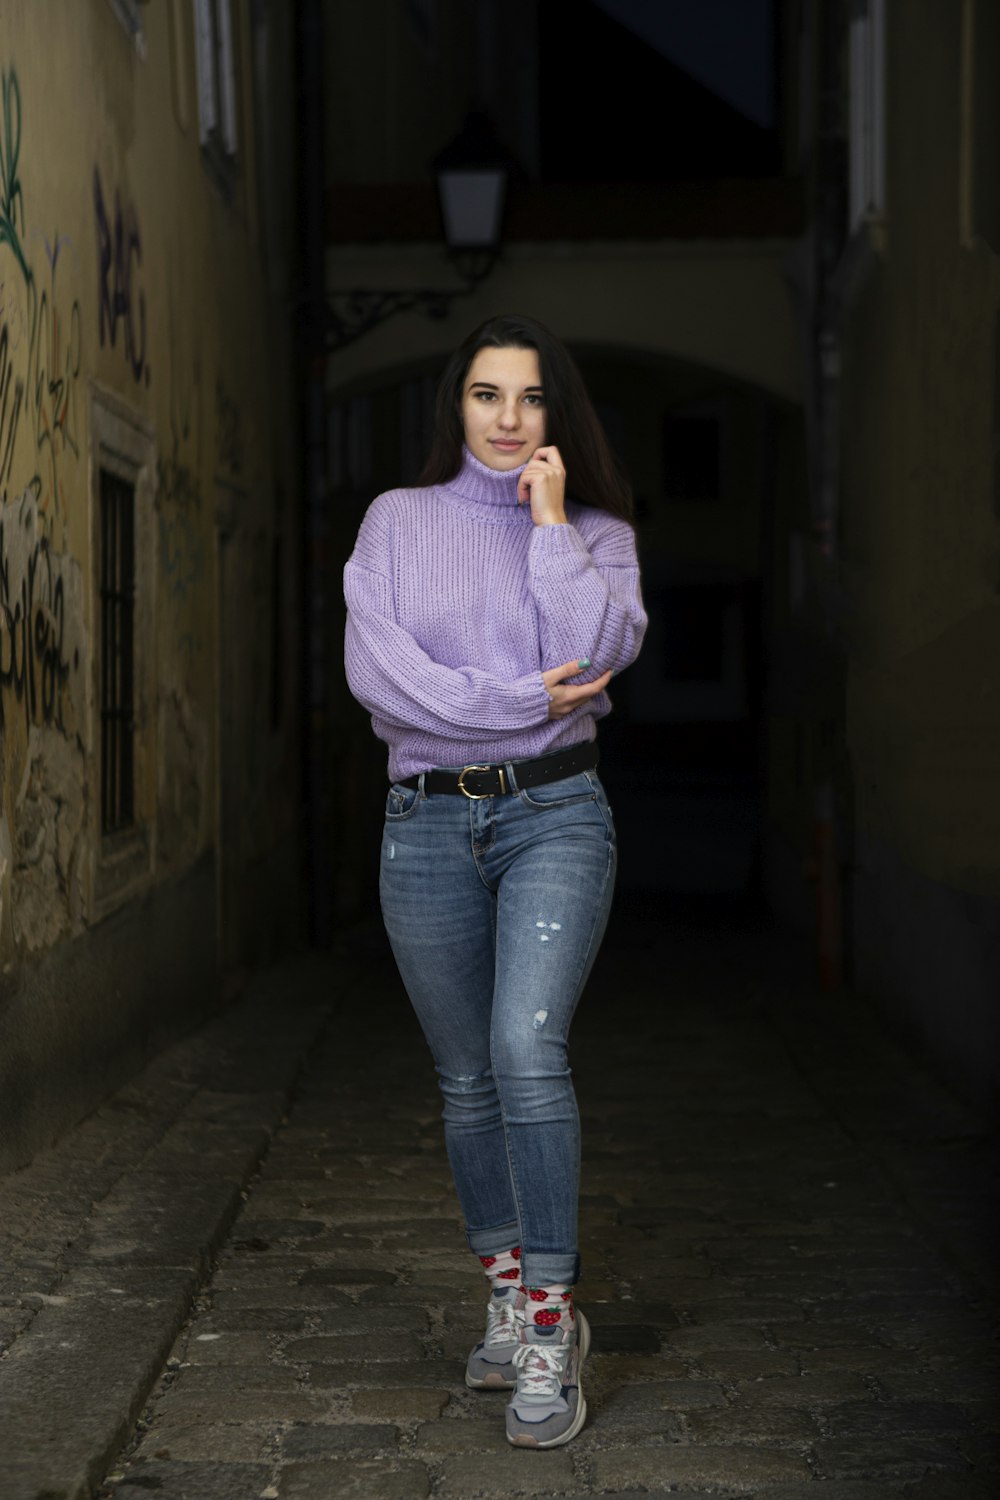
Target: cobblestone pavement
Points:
(783, 1266)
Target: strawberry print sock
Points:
(547, 1306)
(504, 1269)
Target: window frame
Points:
(122, 861)
(217, 86)
(866, 73)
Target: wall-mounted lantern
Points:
(471, 173)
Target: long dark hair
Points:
(594, 476)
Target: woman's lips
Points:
(508, 445)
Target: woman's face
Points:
(503, 407)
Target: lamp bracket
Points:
(353, 312)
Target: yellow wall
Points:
(129, 284)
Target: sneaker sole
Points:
(523, 1441)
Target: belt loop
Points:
(508, 767)
(420, 785)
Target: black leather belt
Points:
(494, 781)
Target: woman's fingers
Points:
(563, 698)
(555, 675)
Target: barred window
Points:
(117, 575)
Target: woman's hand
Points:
(543, 486)
(563, 699)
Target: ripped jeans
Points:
(495, 910)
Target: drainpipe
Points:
(312, 349)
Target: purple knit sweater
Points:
(456, 603)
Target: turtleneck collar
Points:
(485, 486)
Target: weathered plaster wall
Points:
(137, 298)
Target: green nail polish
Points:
(583, 662)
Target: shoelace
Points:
(540, 1369)
(501, 1324)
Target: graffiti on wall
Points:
(39, 635)
(40, 331)
(42, 641)
(121, 300)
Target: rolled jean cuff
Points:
(542, 1269)
(494, 1241)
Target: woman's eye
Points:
(535, 400)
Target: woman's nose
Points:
(509, 415)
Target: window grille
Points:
(117, 574)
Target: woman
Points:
(487, 611)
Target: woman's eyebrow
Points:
(487, 385)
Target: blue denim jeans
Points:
(495, 910)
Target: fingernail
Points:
(583, 662)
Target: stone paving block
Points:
(705, 1337)
(371, 1318)
(405, 1405)
(389, 1374)
(805, 1391)
(747, 1309)
(354, 1479)
(351, 1347)
(969, 1486)
(212, 1379)
(209, 1442)
(946, 1383)
(618, 1312)
(886, 1363)
(193, 1481)
(506, 1473)
(780, 1425)
(678, 1395)
(339, 1276)
(745, 1364)
(865, 1419)
(277, 1231)
(623, 1369)
(445, 1293)
(315, 1440)
(740, 1467)
(887, 1457)
(181, 1404)
(631, 1407)
(252, 1320)
(838, 1489)
(257, 1297)
(240, 1349)
(257, 1273)
(626, 1338)
(486, 1434)
(823, 1335)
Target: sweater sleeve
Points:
(395, 679)
(588, 598)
